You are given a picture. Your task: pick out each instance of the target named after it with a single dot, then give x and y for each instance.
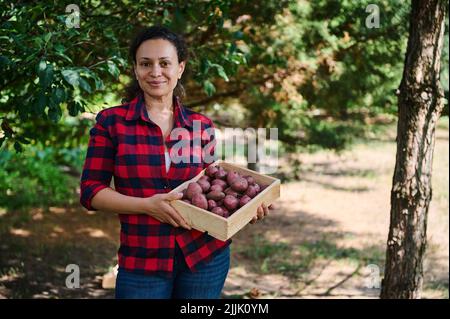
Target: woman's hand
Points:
(262, 212)
(158, 206)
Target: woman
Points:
(160, 256)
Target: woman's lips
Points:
(156, 83)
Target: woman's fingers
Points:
(172, 196)
(265, 209)
(260, 212)
(171, 221)
(179, 220)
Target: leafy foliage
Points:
(33, 179)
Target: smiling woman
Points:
(132, 142)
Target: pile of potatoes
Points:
(221, 192)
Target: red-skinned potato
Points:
(257, 187)
(232, 176)
(211, 171)
(251, 191)
(184, 193)
(218, 211)
(226, 212)
(192, 189)
(216, 187)
(221, 211)
(205, 177)
(244, 200)
(239, 185)
(221, 173)
(230, 191)
(200, 201)
(250, 179)
(204, 184)
(230, 202)
(215, 195)
(219, 182)
(212, 204)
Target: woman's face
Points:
(157, 68)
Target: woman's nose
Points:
(155, 70)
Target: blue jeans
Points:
(205, 283)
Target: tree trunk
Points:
(420, 105)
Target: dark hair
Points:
(155, 32)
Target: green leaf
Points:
(4, 61)
(41, 103)
(45, 73)
(71, 76)
(54, 113)
(92, 75)
(99, 85)
(221, 71)
(59, 95)
(113, 69)
(119, 60)
(204, 66)
(61, 54)
(47, 37)
(85, 85)
(73, 108)
(238, 58)
(209, 87)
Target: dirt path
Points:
(325, 240)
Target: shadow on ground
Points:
(36, 248)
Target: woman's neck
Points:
(160, 104)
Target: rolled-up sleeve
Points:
(99, 164)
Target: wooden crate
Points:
(220, 227)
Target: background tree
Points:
(420, 104)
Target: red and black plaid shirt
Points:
(126, 144)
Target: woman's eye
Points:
(164, 63)
(144, 64)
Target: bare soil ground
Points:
(326, 239)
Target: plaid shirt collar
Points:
(137, 110)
